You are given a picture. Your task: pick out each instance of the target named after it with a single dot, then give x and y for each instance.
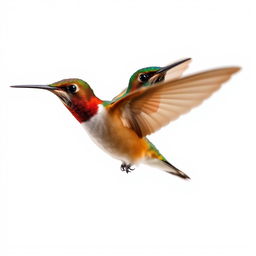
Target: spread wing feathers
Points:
(150, 108)
(175, 72)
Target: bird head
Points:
(152, 75)
(75, 94)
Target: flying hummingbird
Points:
(154, 97)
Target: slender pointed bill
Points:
(62, 95)
(47, 87)
(166, 68)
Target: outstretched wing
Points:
(150, 108)
(174, 72)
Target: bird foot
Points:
(126, 168)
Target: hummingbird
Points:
(154, 97)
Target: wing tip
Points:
(234, 70)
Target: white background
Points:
(61, 195)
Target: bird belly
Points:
(108, 132)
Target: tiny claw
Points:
(126, 167)
(122, 167)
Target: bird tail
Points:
(156, 159)
(166, 166)
(175, 171)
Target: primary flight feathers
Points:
(150, 108)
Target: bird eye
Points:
(72, 88)
(143, 77)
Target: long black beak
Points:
(47, 87)
(166, 68)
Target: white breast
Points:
(101, 131)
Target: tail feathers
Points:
(166, 166)
(175, 171)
